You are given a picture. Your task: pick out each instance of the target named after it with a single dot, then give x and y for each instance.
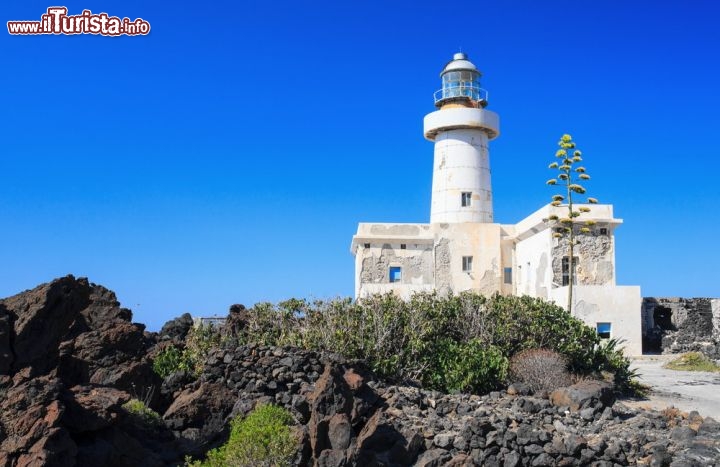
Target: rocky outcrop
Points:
(679, 325)
(70, 359)
(177, 329)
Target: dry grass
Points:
(693, 361)
(673, 416)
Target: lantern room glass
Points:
(465, 83)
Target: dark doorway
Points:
(662, 317)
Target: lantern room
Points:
(461, 84)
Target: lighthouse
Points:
(463, 248)
(461, 129)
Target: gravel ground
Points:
(685, 390)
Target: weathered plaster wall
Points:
(372, 264)
(434, 262)
(443, 264)
(507, 248)
(482, 242)
(595, 257)
(397, 230)
(677, 325)
(415, 261)
(533, 275)
(715, 310)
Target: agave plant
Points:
(568, 177)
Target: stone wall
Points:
(677, 325)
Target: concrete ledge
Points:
(454, 119)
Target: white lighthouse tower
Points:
(461, 129)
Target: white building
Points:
(462, 249)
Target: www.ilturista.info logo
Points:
(57, 21)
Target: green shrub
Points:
(466, 367)
(139, 410)
(172, 359)
(200, 341)
(449, 343)
(198, 344)
(263, 438)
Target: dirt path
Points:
(685, 390)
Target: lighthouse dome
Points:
(459, 62)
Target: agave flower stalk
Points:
(569, 177)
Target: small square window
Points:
(467, 263)
(366, 245)
(604, 330)
(507, 272)
(403, 246)
(603, 231)
(466, 199)
(395, 273)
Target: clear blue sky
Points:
(228, 156)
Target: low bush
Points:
(198, 343)
(264, 438)
(448, 343)
(466, 367)
(139, 410)
(172, 359)
(540, 369)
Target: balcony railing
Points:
(453, 92)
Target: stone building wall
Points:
(677, 325)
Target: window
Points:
(603, 231)
(467, 263)
(507, 275)
(366, 245)
(395, 273)
(604, 330)
(403, 246)
(566, 270)
(465, 199)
